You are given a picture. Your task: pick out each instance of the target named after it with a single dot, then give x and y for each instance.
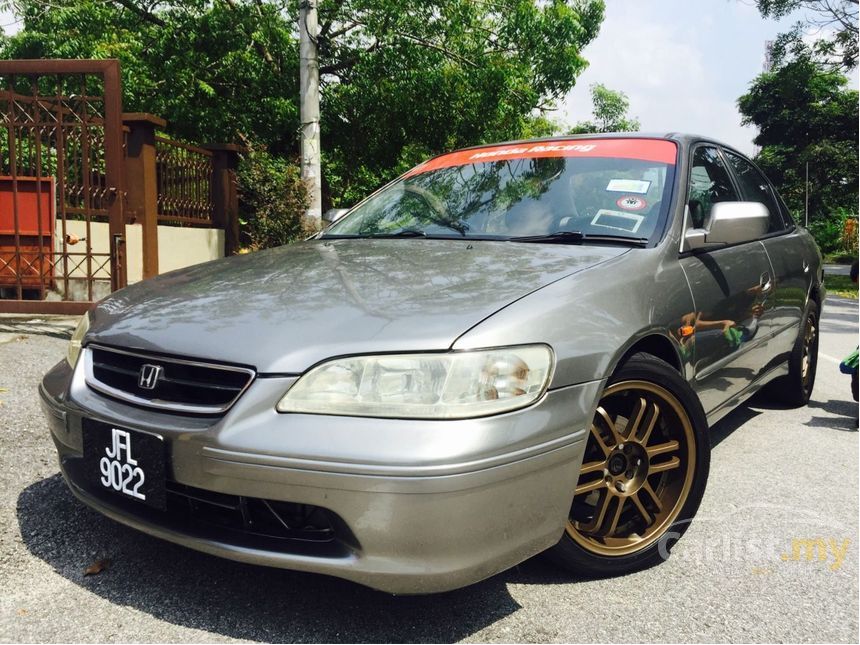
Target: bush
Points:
(272, 201)
(837, 233)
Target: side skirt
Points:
(724, 408)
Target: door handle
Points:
(765, 282)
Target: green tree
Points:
(401, 79)
(220, 71)
(831, 25)
(805, 114)
(404, 79)
(610, 109)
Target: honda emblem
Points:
(149, 376)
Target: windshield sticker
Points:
(631, 203)
(628, 222)
(638, 186)
(656, 150)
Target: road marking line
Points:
(829, 358)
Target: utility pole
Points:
(309, 112)
(806, 199)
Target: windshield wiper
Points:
(618, 239)
(559, 237)
(578, 237)
(406, 232)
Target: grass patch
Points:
(839, 258)
(840, 285)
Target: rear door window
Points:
(755, 188)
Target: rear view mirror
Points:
(334, 214)
(729, 223)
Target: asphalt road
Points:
(837, 269)
(778, 477)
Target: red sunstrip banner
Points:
(659, 150)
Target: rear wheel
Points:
(643, 474)
(795, 388)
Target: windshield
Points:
(601, 188)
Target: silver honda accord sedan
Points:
(510, 349)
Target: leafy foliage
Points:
(832, 24)
(274, 198)
(805, 114)
(410, 78)
(190, 62)
(401, 79)
(836, 233)
(610, 112)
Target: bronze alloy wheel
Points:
(637, 472)
(795, 388)
(809, 352)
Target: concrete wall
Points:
(177, 248)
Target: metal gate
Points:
(62, 229)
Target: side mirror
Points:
(729, 223)
(333, 214)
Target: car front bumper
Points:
(422, 506)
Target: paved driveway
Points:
(772, 555)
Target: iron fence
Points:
(184, 178)
(58, 176)
(65, 202)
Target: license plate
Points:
(125, 462)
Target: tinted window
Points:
(709, 184)
(756, 189)
(786, 214)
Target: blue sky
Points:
(682, 63)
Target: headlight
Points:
(455, 385)
(74, 349)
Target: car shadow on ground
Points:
(724, 428)
(844, 411)
(246, 602)
(845, 415)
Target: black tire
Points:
(582, 559)
(795, 389)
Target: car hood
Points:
(285, 309)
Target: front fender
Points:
(593, 318)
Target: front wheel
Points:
(643, 473)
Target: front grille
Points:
(180, 385)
